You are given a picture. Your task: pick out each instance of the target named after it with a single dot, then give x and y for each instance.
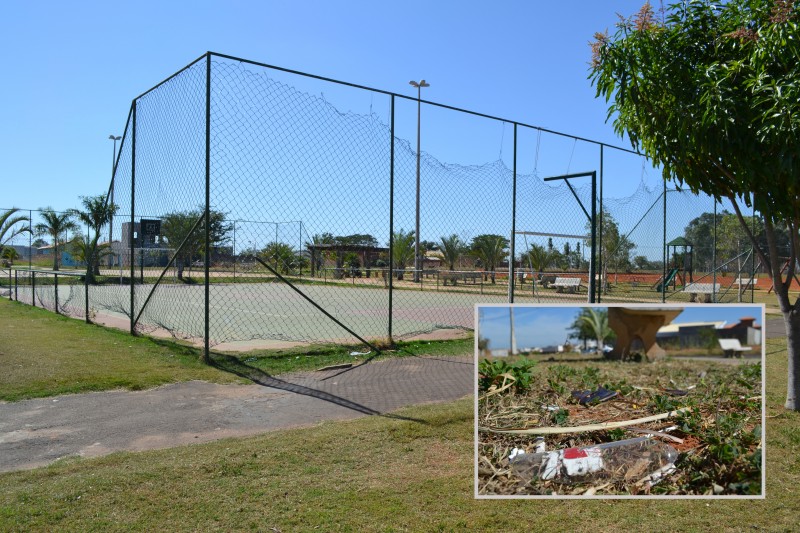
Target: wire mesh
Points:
(326, 223)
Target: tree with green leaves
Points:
(591, 323)
(56, 225)
(11, 225)
(709, 92)
(176, 227)
(540, 258)
(88, 253)
(731, 238)
(452, 249)
(96, 214)
(283, 257)
(490, 250)
(402, 251)
(8, 255)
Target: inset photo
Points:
(581, 401)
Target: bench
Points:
(571, 284)
(546, 280)
(744, 283)
(706, 289)
(463, 276)
(732, 348)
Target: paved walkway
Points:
(37, 432)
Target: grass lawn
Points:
(45, 354)
(369, 474)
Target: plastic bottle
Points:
(629, 460)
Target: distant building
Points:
(746, 332)
(693, 334)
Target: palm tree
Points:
(597, 322)
(283, 256)
(403, 251)
(451, 247)
(540, 258)
(490, 249)
(10, 228)
(82, 251)
(55, 225)
(96, 213)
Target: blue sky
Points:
(548, 325)
(71, 70)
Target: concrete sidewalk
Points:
(37, 432)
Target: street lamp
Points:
(113, 161)
(417, 258)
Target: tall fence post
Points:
(512, 250)
(55, 292)
(595, 256)
(603, 282)
(33, 288)
(30, 239)
(131, 229)
(391, 217)
(714, 258)
(206, 340)
(753, 254)
(86, 299)
(664, 248)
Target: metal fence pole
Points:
(391, 216)
(55, 292)
(603, 282)
(30, 239)
(16, 284)
(33, 288)
(133, 209)
(713, 259)
(595, 255)
(664, 249)
(86, 299)
(512, 249)
(753, 256)
(206, 340)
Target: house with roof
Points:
(695, 334)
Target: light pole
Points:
(113, 161)
(417, 259)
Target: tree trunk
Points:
(792, 321)
(55, 256)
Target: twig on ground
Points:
(591, 427)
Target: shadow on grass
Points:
(231, 364)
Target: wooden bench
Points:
(570, 284)
(732, 348)
(706, 289)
